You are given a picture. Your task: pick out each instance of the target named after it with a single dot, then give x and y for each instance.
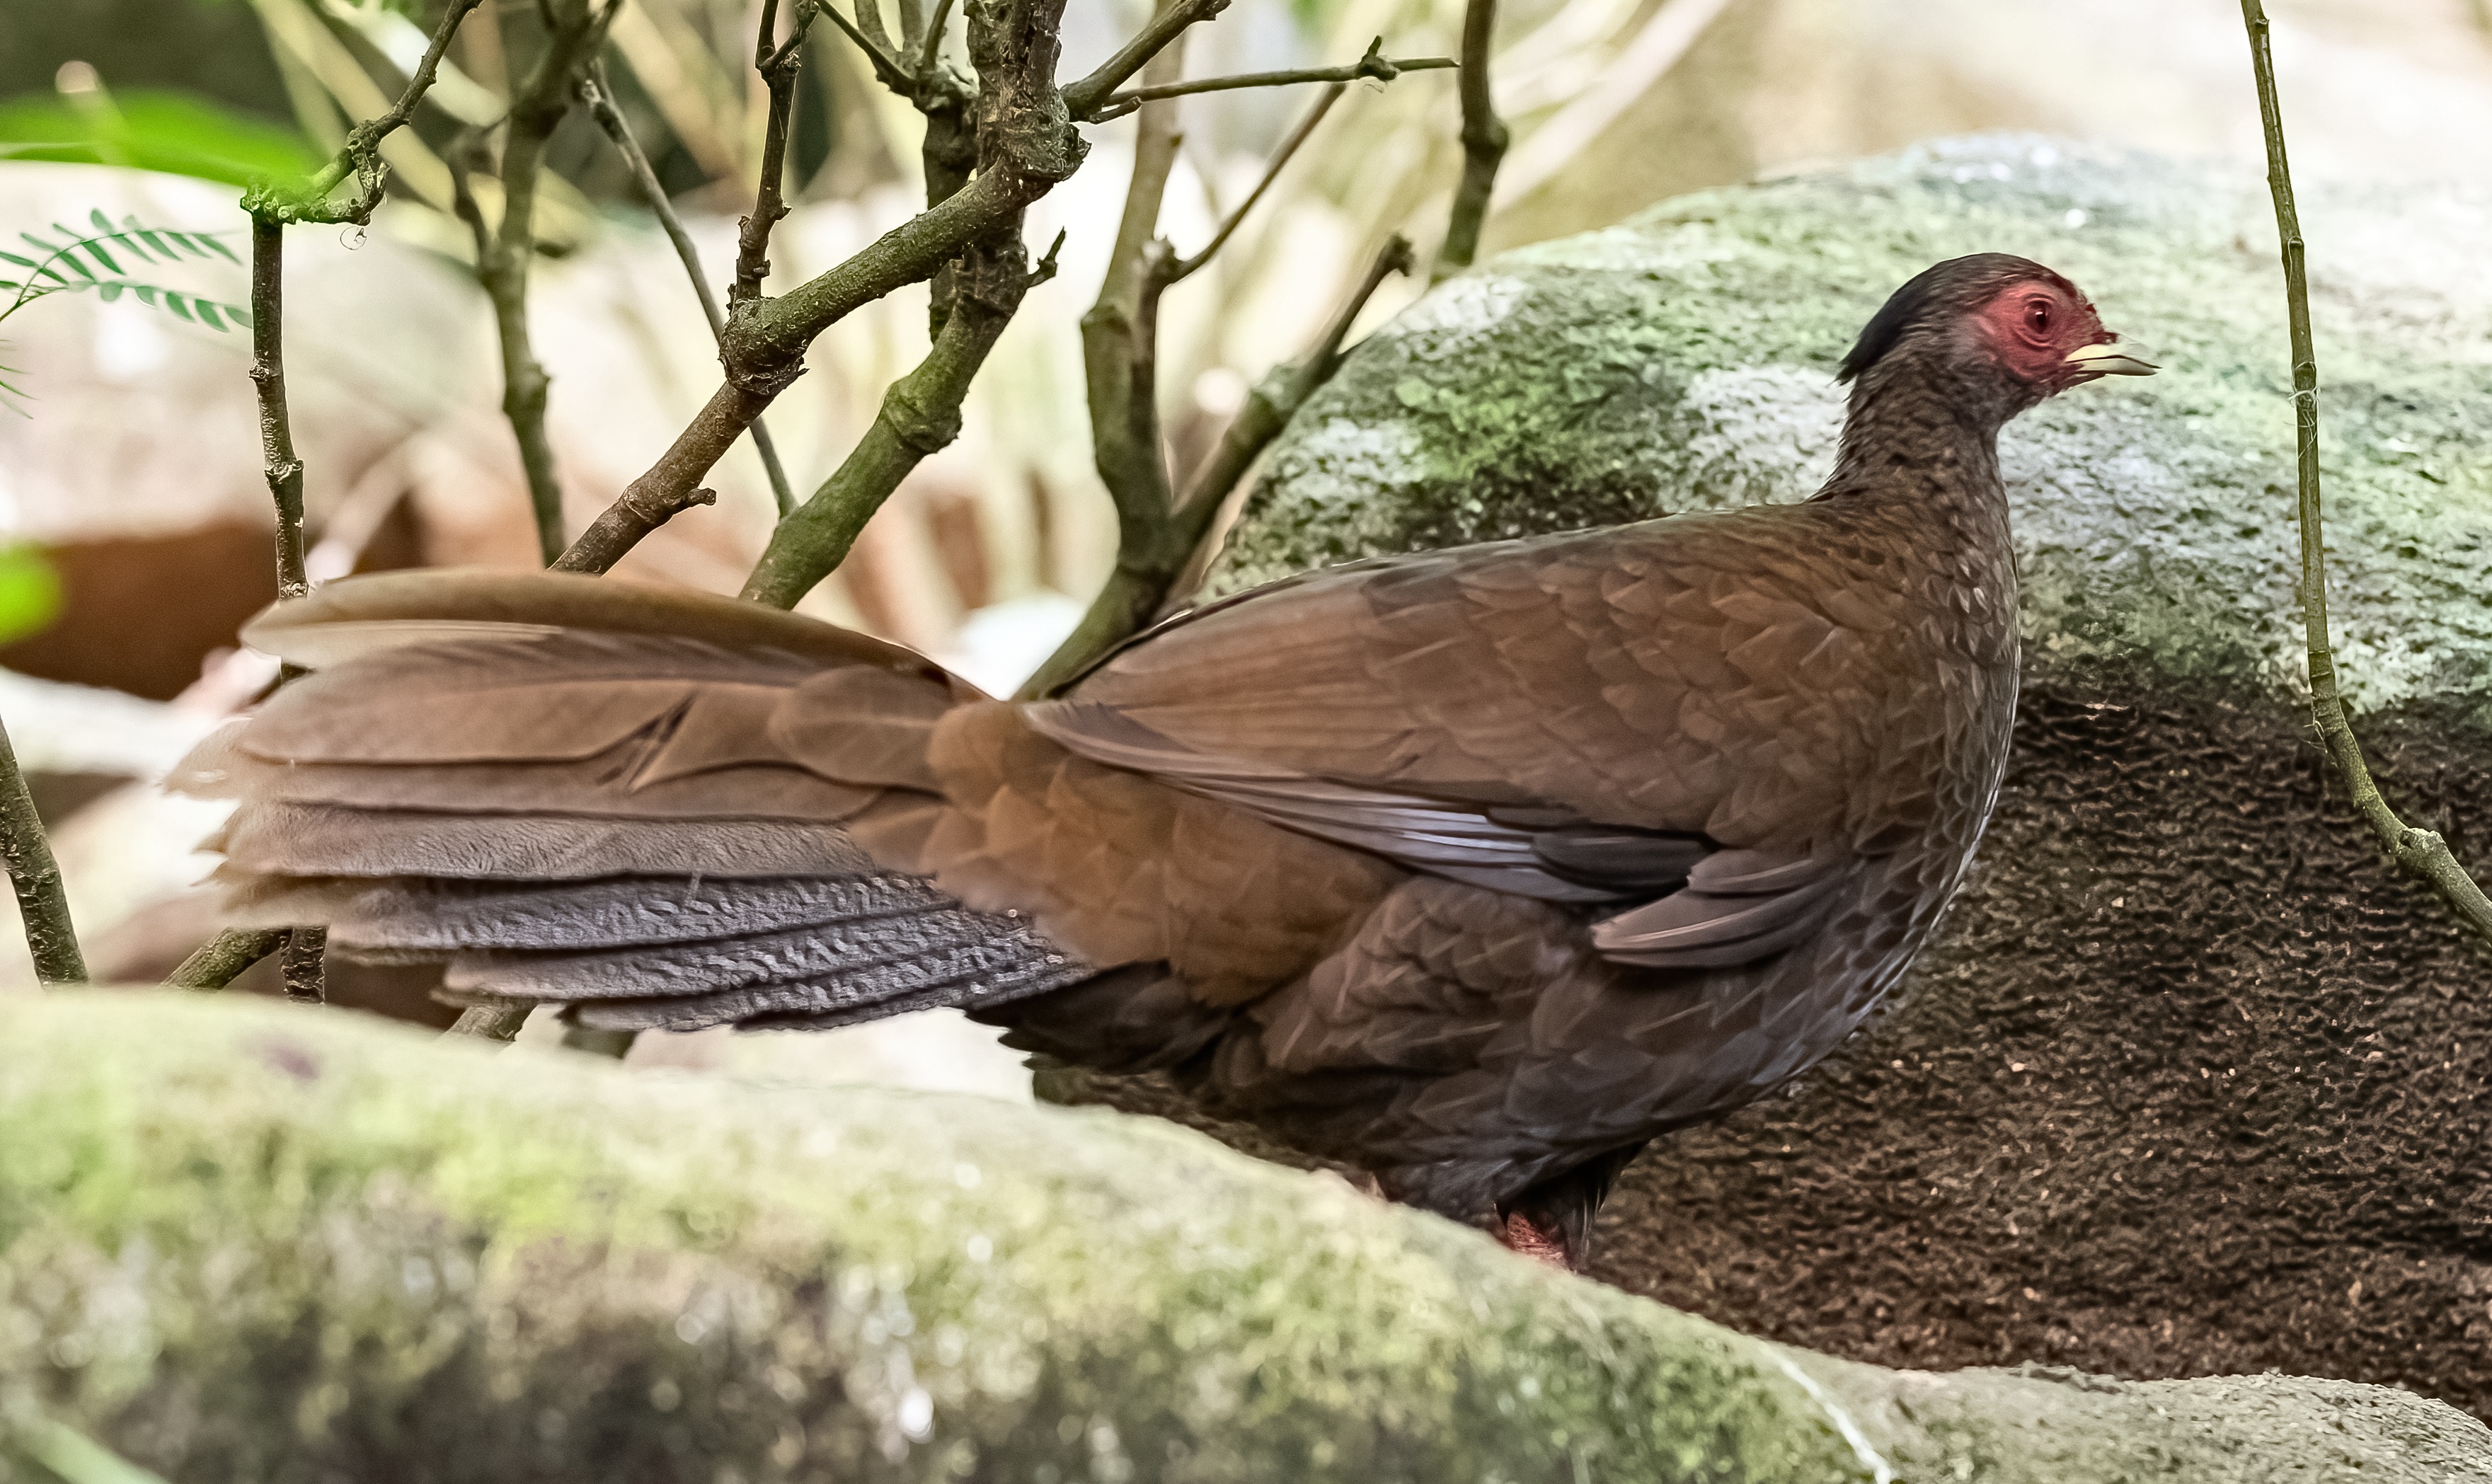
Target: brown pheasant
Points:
(1474, 868)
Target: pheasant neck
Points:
(1923, 438)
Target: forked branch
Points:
(1148, 568)
(609, 118)
(1375, 64)
(1484, 141)
(2421, 853)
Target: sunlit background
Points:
(130, 466)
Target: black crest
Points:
(1941, 288)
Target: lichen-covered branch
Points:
(1026, 143)
(225, 957)
(1484, 141)
(920, 414)
(2421, 853)
(1149, 563)
(609, 118)
(51, 938)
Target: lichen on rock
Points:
(242, 1242)
(1684, 360)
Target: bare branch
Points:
(1029, 144)
(361, 154)
(1484, 140)
(1146, 572)
(51, 938)
(2421, 853)
(620, 526)
(895, 74)
(224, 959)
(920, 414)
(282, 469)
(930, 54)
(1185, 268)
(577, 28)
(1166, 25)
(600, 104)
(1375, 64)
(779, 72)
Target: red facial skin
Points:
(2031, 327)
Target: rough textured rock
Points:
(2193, 1081)
(242, 1242)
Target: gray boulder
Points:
(242, 1242)
(2194, 1081)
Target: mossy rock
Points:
(2193, 1081)
(241, 1242)
(1685, 361)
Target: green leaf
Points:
(182, 241)
(226, 253)
(64, 1452)
(110, 291)
(239, 315)
(150, 238)
(208, 314)
(96, 251)
(178, 304)
(177, 134)
(146, 293)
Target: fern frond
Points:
(89, 256)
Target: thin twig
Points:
(601, 106)
(51, 938)
(282, 469)
(1145, 575)
(1374, 65)
(779, 68)
(1121, 333)
(1166, 25)
(1484, 141)
(929, 54)
(576, 29)
(235, 949)
(1029, 143)
(620, 526)
(361, 154)
(894, 73)
(2421, 853)
(1185, 268)
(920, 414)
(224, 959)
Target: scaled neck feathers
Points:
(1922, 434)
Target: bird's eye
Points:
(2038, 316)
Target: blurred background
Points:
(131, 493)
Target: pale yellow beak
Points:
(2108, 360)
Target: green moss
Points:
(1685, 361)
(242, 1242)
